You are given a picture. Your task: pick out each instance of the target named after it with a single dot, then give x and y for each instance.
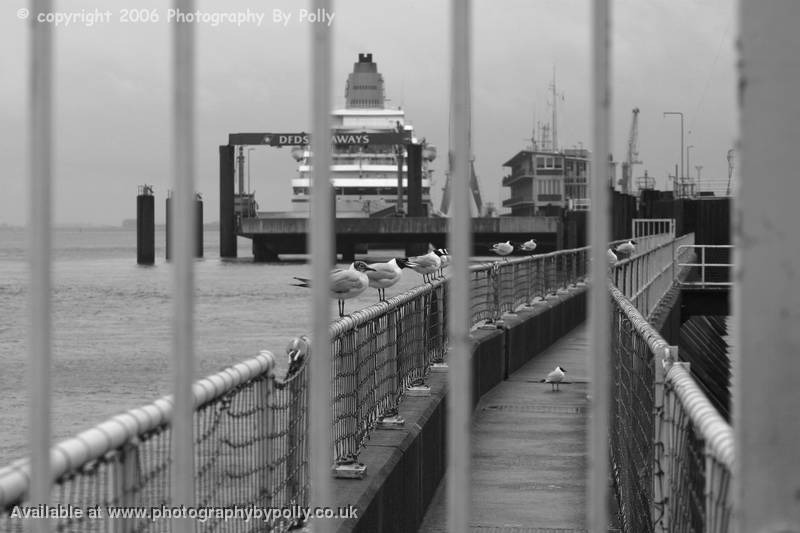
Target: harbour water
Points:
(112, 323)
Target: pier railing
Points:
(649, 273)
(250, 453)
(505, 285)
(671, 451)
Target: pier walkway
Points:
(529, 451)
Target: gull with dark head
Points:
(627, 248)
(345, 283)
(426, 264)
(384, 275)
(555, 377)
(444, 257)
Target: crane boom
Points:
(632, 153)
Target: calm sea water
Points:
(112, 323)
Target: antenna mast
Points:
(555, 112)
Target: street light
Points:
(681, 114)
(248, 168)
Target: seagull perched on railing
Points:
(297, 350)
(345, 283)
(555, 377)
(384, 275)
(502, 248)
(427, 265)
(612, 257)
(627, 248)
(528, 246)
(444, 257)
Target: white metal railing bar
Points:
(321, 240)
(702, 264)
(459, 499)
(39, 240)
(94, 443)
(641, 227)
(599, 305)
(182, 438)
(714, 430)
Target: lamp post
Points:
(248, 168)
(681, 114)
(689, 170)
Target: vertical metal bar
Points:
(599, 305)
(40, 151)
(767, 297)
(459, 495)
(183, 268)
(322, 251)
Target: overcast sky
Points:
(113, 79)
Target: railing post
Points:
(265, 399)
(663, 439)
(124, 481)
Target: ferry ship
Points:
(364, 176)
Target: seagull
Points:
(386, 274)
(612, 257)
(502, 248)
(528, 246)
(297, 350)
(444, 257)
(345, 283)
(627, 248)
(426, 265)
(555, 377)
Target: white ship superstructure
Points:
(364, 176)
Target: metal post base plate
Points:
(350, 471)
(418, 390)
(391, 422)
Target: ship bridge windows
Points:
(549, 162)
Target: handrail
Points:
(714, 430)
(110, 435)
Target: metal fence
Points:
(249, 451)
(503, 286)
(646, 276)
(712, 266)
(641, 227)
(671, 451)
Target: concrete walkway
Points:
(529, 449)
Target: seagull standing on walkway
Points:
(345, 283)
(427, 265)
(384, 275)
(528, 246)
(502, 248)
(627, 248)
(555, 377)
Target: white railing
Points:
(641, 227)
(646, 276)
(713, 261)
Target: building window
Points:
(540, 162)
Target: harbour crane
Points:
(633, 154)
